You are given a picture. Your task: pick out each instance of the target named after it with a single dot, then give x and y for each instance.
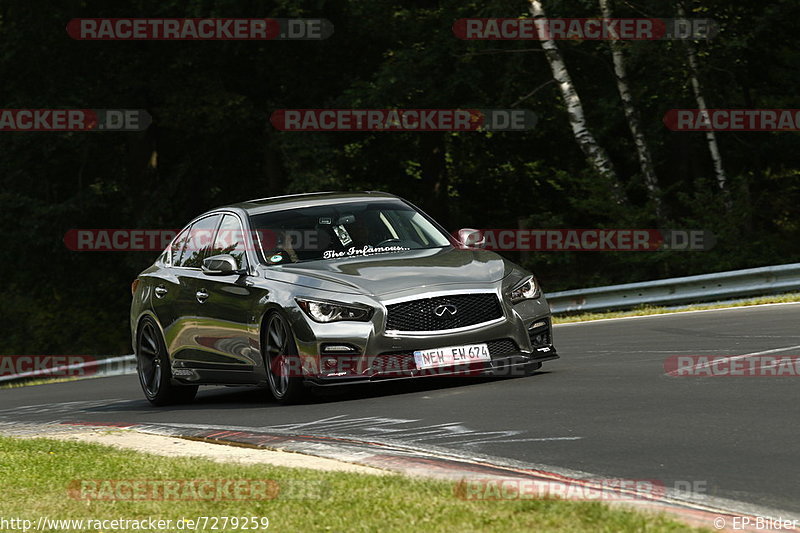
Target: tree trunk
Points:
(633, 118)
(711, 137)
(275, 177)
(595, 153)
(435, 179)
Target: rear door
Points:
(166, 293)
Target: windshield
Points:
(343, 230)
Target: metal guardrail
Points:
(112, 366)
(675, 291)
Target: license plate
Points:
(452, 355)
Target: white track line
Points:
(659, 315)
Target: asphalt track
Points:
(606, 407)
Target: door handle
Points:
(201, 295)
(161, 291)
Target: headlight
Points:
(526, 290)
(322, 311)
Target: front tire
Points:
(282, 363)
(153, 367)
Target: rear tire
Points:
(281, 361)
(154, 369)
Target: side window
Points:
(415, 222)
(176, 247)
(198, 242)
(230, 240)
(405, 225)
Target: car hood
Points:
(387, 273)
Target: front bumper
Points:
(514, 365)
(518, 339)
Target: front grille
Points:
(420, 315)
(502, 348)
(540, 336)
(404, 361)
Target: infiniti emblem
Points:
(445, 309)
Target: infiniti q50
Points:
(326, 289)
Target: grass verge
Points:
(649, 310)
(37, 474)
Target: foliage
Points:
(211, 142)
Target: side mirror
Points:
(220, 265)
(471, 238)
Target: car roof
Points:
(278, 203)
